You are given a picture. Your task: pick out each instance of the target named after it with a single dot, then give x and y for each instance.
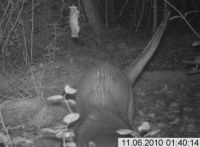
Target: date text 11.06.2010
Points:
(158, 142)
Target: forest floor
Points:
(166, 96)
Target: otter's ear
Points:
(91, 144)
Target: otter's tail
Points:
(136, 67)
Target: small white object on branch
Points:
(73, 21)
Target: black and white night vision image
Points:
(84, 73)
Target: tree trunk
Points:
(93, 16)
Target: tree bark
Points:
(93, 16)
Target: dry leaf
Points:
(144, 127)
(152, 133)
(70, 90)
(72, 117)
(124, 132)
(55, 98)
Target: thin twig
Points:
(194, 4)
(8, 37)
(8, 20)
(189, 12)
(141, 16)
(123, 7)
(106, 13)
(181, 15)
(25, 53)
(155, 15)
(5, 13)
(2, 6)
(149, 17)
(32, 29)
(6, 130)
